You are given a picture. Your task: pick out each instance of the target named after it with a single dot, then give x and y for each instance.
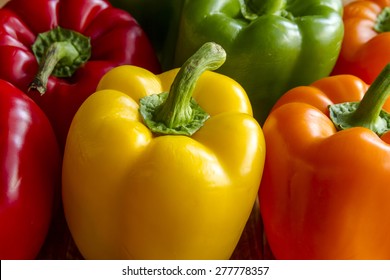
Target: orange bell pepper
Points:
(365, 48)
(325, 190)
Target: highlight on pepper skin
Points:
(195, 207)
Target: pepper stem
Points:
(176, 112)
(368, 112)
(251, 9)
(59, 52)
(382, 23)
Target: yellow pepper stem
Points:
(177, 112)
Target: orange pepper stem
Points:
(382, 23)
(368, 112)
(177, 112)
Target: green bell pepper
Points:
(271, 45)
(159, 19)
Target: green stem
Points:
(382, 23)
(368, 112)
(371, 105)
(178, 113)
(177, 110)
(59, 52)
(251, 9)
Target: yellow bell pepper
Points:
(179, 189)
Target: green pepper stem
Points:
(58, 51)
(251, 9)
(368, 112)
(176, 110)
(382, 23)
(370, 106)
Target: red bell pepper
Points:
(30, 166)
(86, 39)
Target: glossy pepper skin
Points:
(271, 46)
(115, 39)
(365, 50)
(130, 193)
(30, 172)
(325, 192)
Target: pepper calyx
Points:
(59, 52)
(177, 112)
(382, 23)
(342, 113)
(368, 112)
(150, 104)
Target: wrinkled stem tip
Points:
(37, 84)
(178, 113)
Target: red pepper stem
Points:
(59, 52)
(251, 9)
(176, 110)
(370, 106)
(55, 53)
